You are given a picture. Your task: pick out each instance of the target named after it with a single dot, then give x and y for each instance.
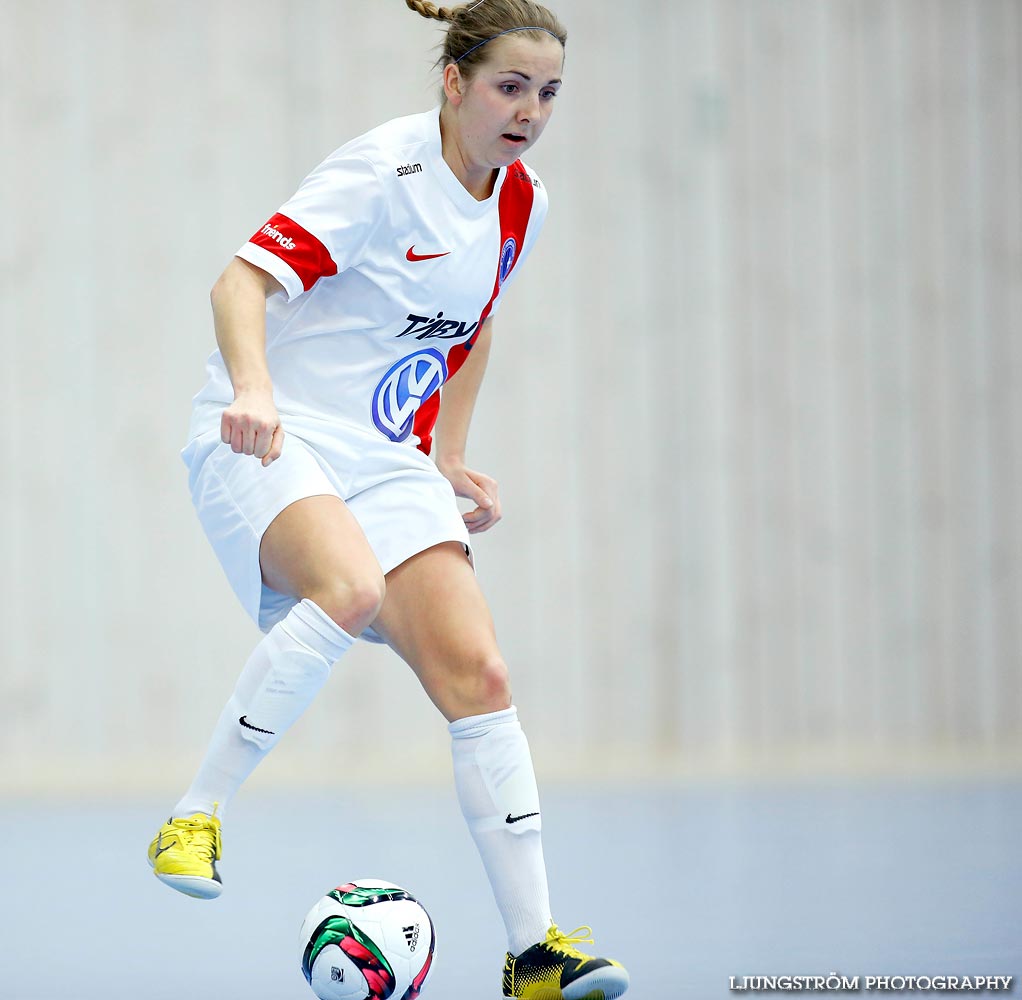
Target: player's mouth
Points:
(515, 138)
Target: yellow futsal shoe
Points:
(555, 969)
(184, 854)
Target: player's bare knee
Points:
(488, 684)
(353, 603)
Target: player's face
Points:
(510, 98)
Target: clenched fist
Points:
(251, 426)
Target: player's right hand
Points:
(251, 426)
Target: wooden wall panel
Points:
(754, 404)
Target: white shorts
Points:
(397, 495)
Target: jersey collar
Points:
(450, 183)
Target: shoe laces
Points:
(203, 835)
(557, 940)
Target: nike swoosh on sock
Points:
(247, 725)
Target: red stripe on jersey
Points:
(298, 248)
(514, 207)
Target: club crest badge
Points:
(507, 257)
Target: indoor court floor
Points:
(687, 886)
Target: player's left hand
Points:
(481, 490)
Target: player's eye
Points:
(549, 95)
(509, 88)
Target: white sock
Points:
(499, 799)
(279, 681)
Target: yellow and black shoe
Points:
(555, 969)
(184, 854)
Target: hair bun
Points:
(430, 10)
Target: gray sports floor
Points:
(686, 886)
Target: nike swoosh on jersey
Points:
(412, 255)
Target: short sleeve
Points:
(323, 228)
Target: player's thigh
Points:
(436, 618)
(315, 549)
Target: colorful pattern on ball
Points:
(367, 940)
(413, 991)
(363, 952)
(350, 894)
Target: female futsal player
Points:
(337, 324)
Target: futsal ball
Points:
(367, 940)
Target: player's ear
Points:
(454, 84)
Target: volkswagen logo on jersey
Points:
(507, 258)
(404, 389)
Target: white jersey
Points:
(390, 268)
